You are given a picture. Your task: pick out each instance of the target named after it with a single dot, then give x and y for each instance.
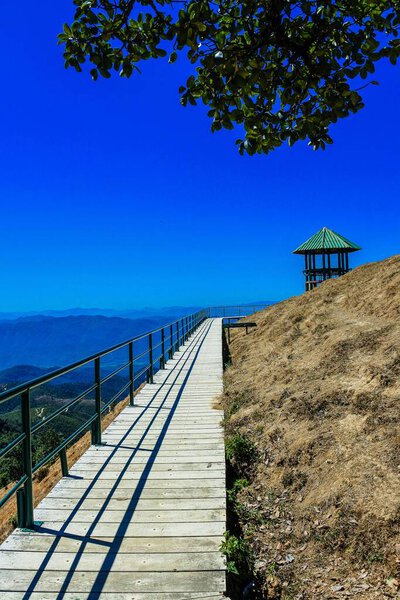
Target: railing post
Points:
(171, 344)
(20, 508)
(27, 517)
(162, 359)
(131, 377)
(151, 370)
(64, 462)
(177, 336)
(96, 431)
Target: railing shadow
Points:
(113, 547)
(226, 353)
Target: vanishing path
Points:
(141, 517)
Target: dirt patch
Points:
(316, 388)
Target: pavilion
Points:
(326, 256)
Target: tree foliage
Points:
(283, 70)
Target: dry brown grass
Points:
(46, 478)
(316, 387)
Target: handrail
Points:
(251, 305)
(242, 310)
(172, 336)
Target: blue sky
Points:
(114, 195)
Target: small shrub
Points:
(13, 521)
(238, 554)
(373, 557)
(42, 473)
(253, 517)
(238, 400)
(240, 451)
(238, 485)
(295, 479)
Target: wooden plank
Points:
(44, 542)
(153, 474)
(194, 461)
(176, 450)
(113, 561)
(126, 483)
(120, 493)
(192, 529)
(114, 596)
(51, 503)
(154, 467)
(130, 516)
(131, 582)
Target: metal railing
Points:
(159, 345)
(242, 310)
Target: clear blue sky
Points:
(113, 195)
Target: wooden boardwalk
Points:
(141, 517)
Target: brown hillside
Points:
(316, 388)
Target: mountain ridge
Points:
(62, 340)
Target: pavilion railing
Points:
(233, 311)
(155, 348)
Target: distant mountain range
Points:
(48, 341)
(169, 313)
(23, 373)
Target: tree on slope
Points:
(282, 70)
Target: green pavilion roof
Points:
(326, 240)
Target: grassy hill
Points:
(312, 419)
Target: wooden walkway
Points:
(142, 517)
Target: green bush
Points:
(240, 451)
(238, 554)
(237, 486)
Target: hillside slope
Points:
(313, 393)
